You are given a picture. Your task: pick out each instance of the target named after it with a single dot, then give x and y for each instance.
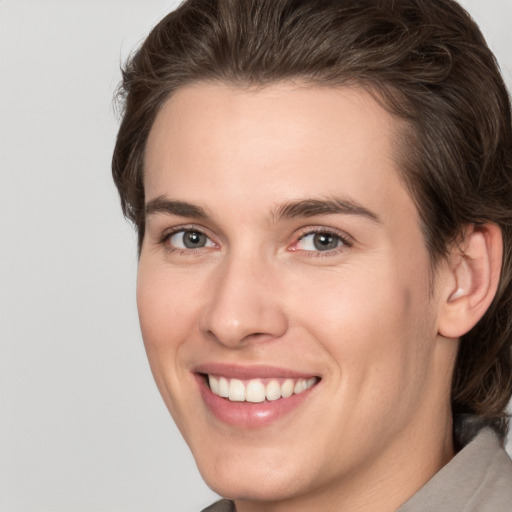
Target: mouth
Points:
(257, 390)
(253, 397)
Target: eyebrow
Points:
(181, 208)
(331, 206)
(289, 210)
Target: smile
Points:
(258, 390)
(250, 397)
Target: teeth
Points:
(214, 385)
(287, 388)
(223, 387)
(255, 390)
(236, 391)
(300, 386)
(273, 390)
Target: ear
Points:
(472, 277)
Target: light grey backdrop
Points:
(82, 427)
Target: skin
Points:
(363, 317)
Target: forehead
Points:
(282, 141)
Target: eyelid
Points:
(346, 240)
(170, 232)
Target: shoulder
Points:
(477, 479)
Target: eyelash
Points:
(345, 241)
(167, 235)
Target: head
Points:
(425, 64)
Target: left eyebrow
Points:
(313, 207)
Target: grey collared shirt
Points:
(477, 479)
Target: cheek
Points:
(167, 317)
(356, 301)
(375, 324)
(165, 304)
(168, 313)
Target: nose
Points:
(244, 304)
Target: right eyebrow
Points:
(181, 208)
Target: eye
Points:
(321, 241)
(189, 239)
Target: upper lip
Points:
(247, 372)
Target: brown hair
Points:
(427, 62)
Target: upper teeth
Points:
(255, 390)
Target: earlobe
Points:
(473, 269)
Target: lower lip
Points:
(247, 414)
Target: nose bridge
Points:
(245, 304)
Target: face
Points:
(284, 292)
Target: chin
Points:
(237, 478)
(266, 490)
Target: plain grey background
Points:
(82, 427)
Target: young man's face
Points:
(283, 253)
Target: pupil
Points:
(193, 239)
(324, 241)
